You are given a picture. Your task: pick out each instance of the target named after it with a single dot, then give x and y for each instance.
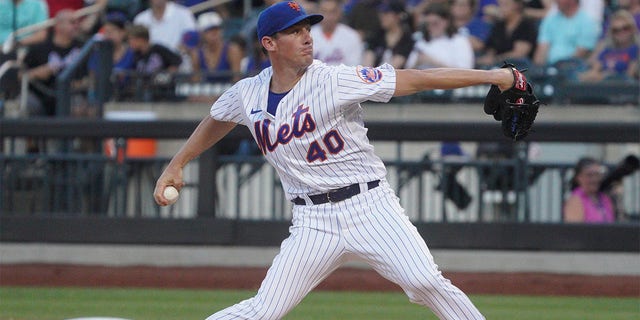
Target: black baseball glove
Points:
(515, 107)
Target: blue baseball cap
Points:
(283, 15)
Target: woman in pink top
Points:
(586, 203)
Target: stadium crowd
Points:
(167, 41)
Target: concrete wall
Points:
(587, 263)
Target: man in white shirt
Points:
(334, 42)
(167, 22)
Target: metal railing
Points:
(101, 82)
(485, 191)
(431, 191)
(443, 190)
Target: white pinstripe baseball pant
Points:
(371, 226)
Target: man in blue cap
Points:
(307, 120)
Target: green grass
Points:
(22, 303)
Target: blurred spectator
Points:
(348, 6)
(586, 203)
(566, 38)
(58, 5)
(335, 43)
(597, 9)
(512, 39)
(417, 12)
(633, 6)
(153, 62)
(88, 24)
(189, 3)
(487, 9)
(469, 23)
(441, 44)
(537, 9)
(45, 60)
(16, 14)
(256, 59)
(248, 30)
(213, 59)
(130, 8)
(394, 45)
(167, 22)
(363, 17)
(233, 15)
(151, 58)
(413, 6)
(617, 57)
(593, 8)
(310, 6)
(114, 29)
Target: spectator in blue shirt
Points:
(469, 23)
(569, 33)
(214, 59)
(114, 29)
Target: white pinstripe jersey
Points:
(317, 140)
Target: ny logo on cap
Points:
(294, 5)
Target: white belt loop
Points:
(306, 199)
(364, 187)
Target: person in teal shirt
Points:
(27, 12)
(568, 34)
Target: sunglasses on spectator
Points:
(621, 29)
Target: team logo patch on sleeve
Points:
(369, 74)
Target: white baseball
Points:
(171, 194)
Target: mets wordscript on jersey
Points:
(302, 123)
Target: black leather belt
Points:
(336, 195)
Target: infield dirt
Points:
(354, 279)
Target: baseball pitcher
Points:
(307, 120)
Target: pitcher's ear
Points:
(268, 43)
